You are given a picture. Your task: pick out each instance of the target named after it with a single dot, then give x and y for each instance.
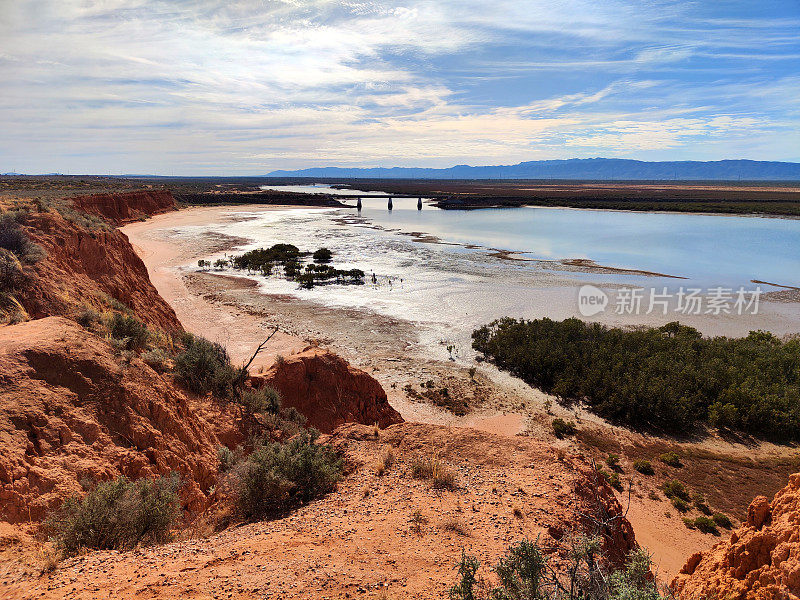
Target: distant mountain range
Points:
(575, 168)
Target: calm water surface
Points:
(709, 250)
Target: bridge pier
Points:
(358, 204)
(390, 203)
(419, 204)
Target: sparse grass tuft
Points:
(434, 470)
(455, 525)
(385, 461)
(417, 521)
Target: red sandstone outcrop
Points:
(126, 207)
(760, 561)
(72, 409)
(328, 390)
(82, 265)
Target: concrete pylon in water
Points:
(390, 204)
(358, 204)
(419, 204)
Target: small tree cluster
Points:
(669, 378)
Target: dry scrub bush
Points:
(277, 477)
(266, 399)
(156, 359)
(205, 367)
(117, 515)
(526, 574)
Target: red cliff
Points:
(760, 561)
(329, 391)
(126, 207)
(72, 409)
(83, 265)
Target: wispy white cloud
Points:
(248, 86)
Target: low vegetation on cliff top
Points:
(277, 477)
(525, 573)
(670, 378)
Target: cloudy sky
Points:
(227, 86)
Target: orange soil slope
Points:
(73, 409)
(362, 538)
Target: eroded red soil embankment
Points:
(760, 560)
(126, 207)
(328, 390)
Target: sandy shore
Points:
(232, 311)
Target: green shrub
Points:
(14, 239)
(130, 329)
(87, 317)
(669, 378)
(722, 520)
(323, 255)
(562, 428)
(614, 481)
(700, 503)
(676, 489)
(635, 581)
(671, 459)
(226, 458)
(263, 400)
(524, 574)
(277, 477)
(205, 367)
(680, 504)
(703, 524)
(612, 460)
(12, 274)
(644, 467)
(117, 515)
